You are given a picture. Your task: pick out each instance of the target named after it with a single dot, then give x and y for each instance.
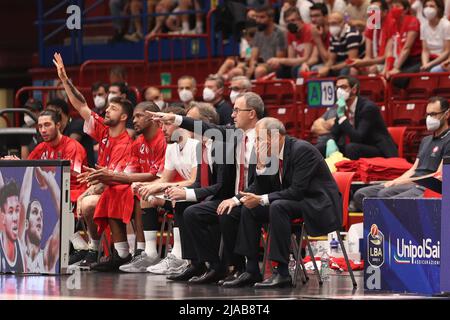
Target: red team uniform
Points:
(67, 149)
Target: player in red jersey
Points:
(102, 204)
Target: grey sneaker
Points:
(169, 265)
(140, 263)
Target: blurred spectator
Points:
(269, 42)
(35, 106)
(238, 85)
(299, 46)
(57, 94)
(153, 94)
(321, 38)
(359, 120)
(187, 89)
(376, 42)
(347, 44)
(117, 9)
(136, 33)
(118, 74)
(213, 93)
(356, 13)
(406, 51)
(100, 96)
(73, 128)
(303, 7)
(432, 150)
(435, 36)
(322, 128)
(334, 5)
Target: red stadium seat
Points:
(411, 113)
(286, 114)
(344, 182)
(398, 135)
(373, 88)
(443, 86)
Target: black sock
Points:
(253, 267)
(283, 269)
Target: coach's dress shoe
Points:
(230, 277)
(245, 279)
(275, 281)
(190, 272)
(210, 276)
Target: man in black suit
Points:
(360, 120)
(296, 183)
(238, 174)
(213, 93)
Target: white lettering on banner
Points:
(73, 22)
(327, 89)
(411, 252)
(373, 281)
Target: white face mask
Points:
(112, 95)
(233, 96)
(429, 13)
(99, 102)
(208, 95)
(28, 120)
(416, 5)
(186, 95)
(342, 94)
(335, 31)
(433, 124)
(159, 103)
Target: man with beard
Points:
(103, 204)
(147, 160)
(41, 260)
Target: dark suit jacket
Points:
(369, 128)
(224, 109)
(229, 135)
(307, 179)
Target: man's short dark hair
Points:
(175, 110)
(29, 208)
(123, 88)
(384, 5)
(98, 85)
(54, 114)
(352, 81)
(59, 104)
(120, 71)
(291, 11)
(405, 3)
(147, 106)
(266, 9)
(442, 102)
(320, 7)
(127, 106)
(10, 189)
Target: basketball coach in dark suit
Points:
(295, 184)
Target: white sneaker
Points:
(140, 263)
(169, 265)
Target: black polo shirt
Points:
(431, 152)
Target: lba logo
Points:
(375, 247)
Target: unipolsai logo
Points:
(425, 253)
(375, 247)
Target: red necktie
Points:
(204, 170)
(242, 165)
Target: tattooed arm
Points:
(75, 97)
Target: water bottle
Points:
(292, 264)
(334, 245)
(325, 266)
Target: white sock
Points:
(199, 26)
(131, 238)
(176, 250)
(122, 249)
(141, 245)
(150, 243)
(94, 244)
(185, 26)
(78, 242)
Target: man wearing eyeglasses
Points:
(359, 130)
(428, 162)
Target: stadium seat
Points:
(344, 182)
(443, 86)
(286, 114)
(398, 135)
(411, 113)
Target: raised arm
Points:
(75, 97)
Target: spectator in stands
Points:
(136, 8)
(299, 46)
(347, 44)
(322, 128)
(356, 13)
(187, 89)
(73, 128)
(269, 42)
(36, 107)
(239, 85)
(321, 38)
(407, 41)
(213, 93)
(335, 5)
(376, 41)
(432, 150)
(360, 120)
(117, 8)
(100, 96)
(118, 74)
(154, 94)
(435, 36)
(303, 7)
